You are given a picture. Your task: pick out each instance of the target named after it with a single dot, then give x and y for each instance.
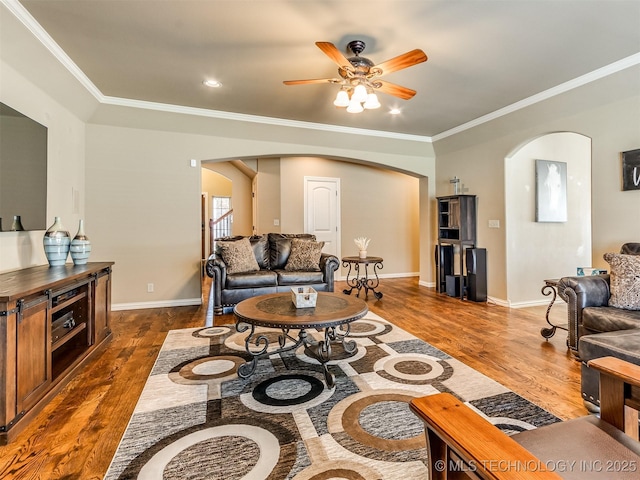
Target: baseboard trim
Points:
(422, 283)
(184, 302)
(498, 301)
(382, 275)
(535, 303)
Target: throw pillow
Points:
(625, 280)
(305, 255)
(238, 256)
(280, 247)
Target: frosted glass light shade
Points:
(342, 99)
(354, 106)
(359, 93)
(372, 102)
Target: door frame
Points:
(336, 181)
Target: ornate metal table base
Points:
(549, 288)
(358, 281)
(318, 350)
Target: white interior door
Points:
(322, 211)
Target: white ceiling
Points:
(484, 56)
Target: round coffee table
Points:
(276, 310)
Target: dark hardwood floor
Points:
(76, 435)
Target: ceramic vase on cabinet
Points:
(56, 243)
(80, 246)
(16, 226)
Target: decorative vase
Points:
(56, 243)
(80, 246)
(362, 253)
(16, 226)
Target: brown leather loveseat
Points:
(272, 274)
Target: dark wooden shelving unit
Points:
(456, 233)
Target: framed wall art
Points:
(551, 191)
(631, 170)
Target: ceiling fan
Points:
(360, 77)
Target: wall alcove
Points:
(540, 250)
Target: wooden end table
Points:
(359, 281)
(276, 310)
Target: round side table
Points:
(360, 280)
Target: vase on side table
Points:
(56, 243)
(80, 246)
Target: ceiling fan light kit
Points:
(359, 76)
(342, 98)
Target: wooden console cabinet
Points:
(52, 319)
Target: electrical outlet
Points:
(494, 223)
(276, 222)
(149, 287)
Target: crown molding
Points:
(605, 71)
(36, 29)
(23, 15)
(241, 117)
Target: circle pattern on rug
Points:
(267, 443)
(374, 419)
(213, 367)
(286, 394)
(209, 332)
(288, 390)
(412, 368)
(208, 467)
(366, 327)
(361, 423)
(206, 369)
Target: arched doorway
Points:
(541, 250)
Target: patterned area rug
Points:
(196, 419)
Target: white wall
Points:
(378, 204)
(145, 198)
(607, 111)
(268, 196)
(538, 250)
(141, 202)
(65, 167)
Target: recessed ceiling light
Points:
(212, 83)
(394, 111)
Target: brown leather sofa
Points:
(596, 329)
(271, 252)
(461, 444)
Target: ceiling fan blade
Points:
(402, 61)
(330, 50)
(310, 81)
(395, 90)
